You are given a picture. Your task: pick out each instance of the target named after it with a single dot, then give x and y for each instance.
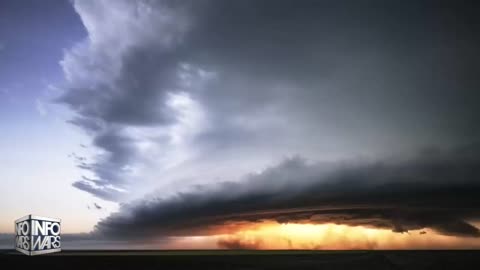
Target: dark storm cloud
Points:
(278, 77)
(120, 151)
(135, 95)
(100, 189)
(437, 190)
(367, 58)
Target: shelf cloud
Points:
(189, 103)
(436, 191)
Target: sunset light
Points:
(273, 235)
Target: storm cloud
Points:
(434, 190)
(190, 92)
(187, 105)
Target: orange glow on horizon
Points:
(273, 235)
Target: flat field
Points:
(242, 259)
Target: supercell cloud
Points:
(435, 190)
(203, 112)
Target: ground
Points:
(238, 259)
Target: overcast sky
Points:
(117, 115)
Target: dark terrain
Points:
(238, 259)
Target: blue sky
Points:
(36, 140)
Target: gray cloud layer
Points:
(162, 85)
(437, 190)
